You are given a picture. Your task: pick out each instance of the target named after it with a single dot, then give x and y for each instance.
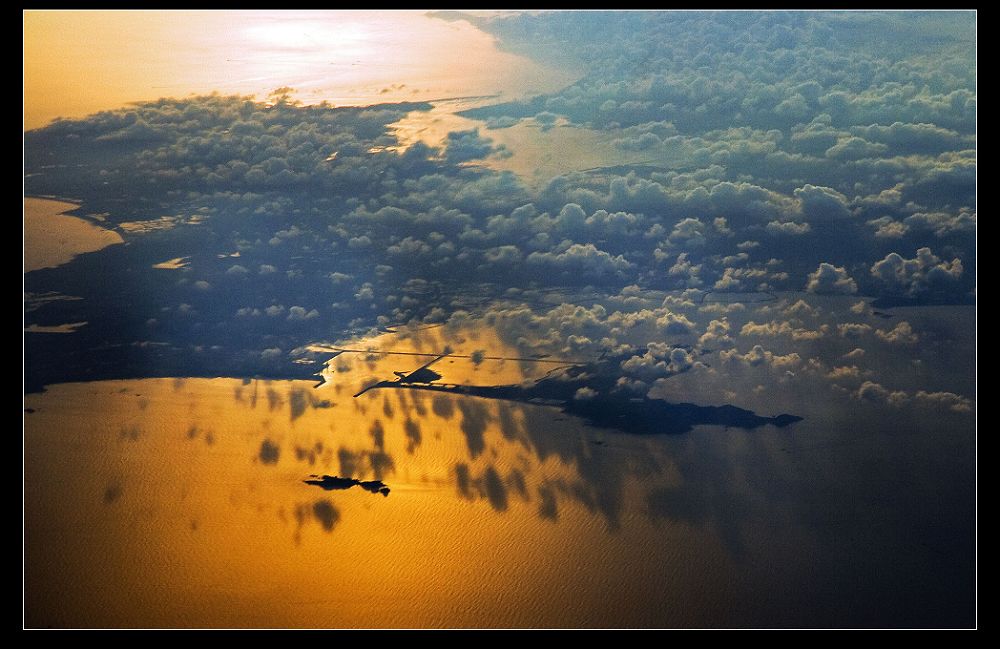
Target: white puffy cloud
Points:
(463, 146)
(952, 401)
(844, 372)
(716, 335)
(658, 361)
(689, 232)
(271, 353)
(758, 356)
(782, 328)
(580, 258)
(788, 227)
(902, 334)
(830, 279)
(941, 223)
(801, 308)
(853, 329)
(924, 273)
(888, 228)
(875, 393)
(854, 148)
(821, 204)
(298, 313)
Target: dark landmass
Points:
(332, 483)
(591, 392)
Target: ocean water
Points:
(188, 502)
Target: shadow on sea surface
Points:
(518, 413)
(331, 483)
(592, 392)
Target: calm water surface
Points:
(185, 504)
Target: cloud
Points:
(801, 308)
(830, 279)
(820, 204)
(875, 393)
(888, 228)
(463, 146)
(782, 328)
(925, 273)
(901, 335)
(271, 353)
(788, 228)
(854, 148)
(942, 224)
(844, 372)
(658, 361)
(298, 313)
(794, 159)
(686, 271)
(952, 401)
(716, 335)
(585, 259)
(760, 357)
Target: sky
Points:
(773, 211)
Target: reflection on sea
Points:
(52, 237)
(229, 503)
(348, 58)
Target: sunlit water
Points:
(84, 61)
(184, 504)
(52, 237)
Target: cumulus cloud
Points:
(820, 204)
(716, 335)
(830, 279)
(298, 313)
(801, 308)
(760, 357)
(660, 360)
(783, 328)
(844, 372)
(876, 393)
(794, 147)
(853, 329)
(925, 273)
(902, 334)
(463, 146)
(950, 400)
(789, 228)
(586, 259)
